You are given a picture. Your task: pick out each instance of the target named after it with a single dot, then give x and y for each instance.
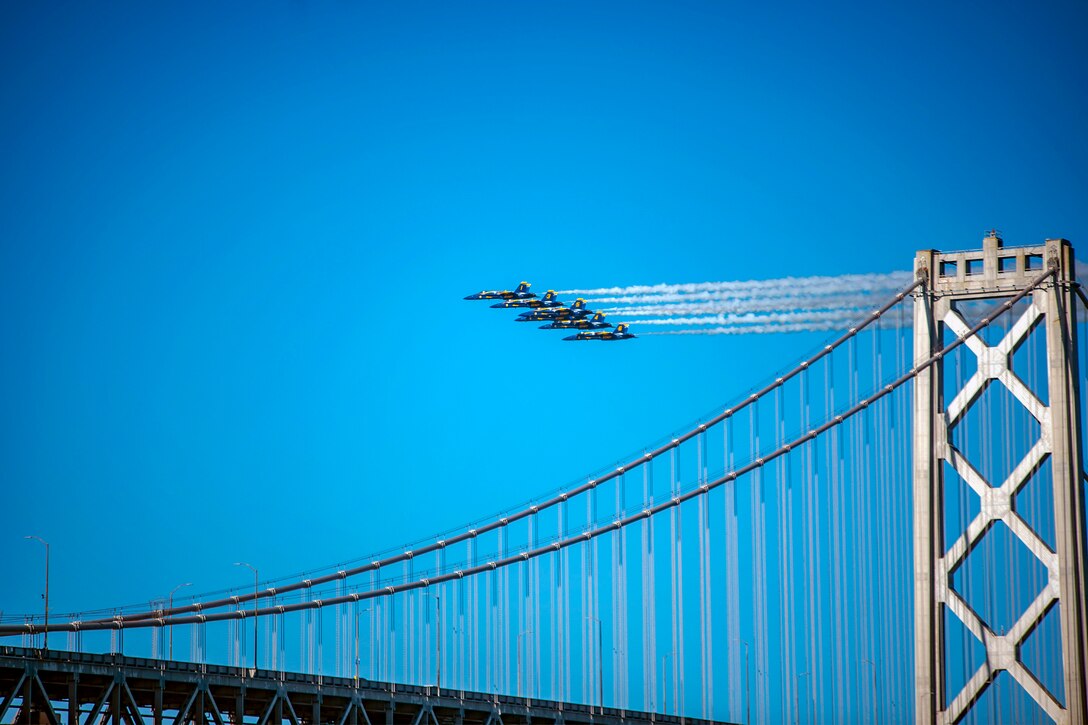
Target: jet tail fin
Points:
(621, 328)
(579, 304)
(549, 295)
(523, 287)
(597, 317)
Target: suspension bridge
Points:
(891, 530)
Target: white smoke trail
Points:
(798, 291)
(846, 282)
(753, 329)
(769, 329)
(738, 296)
(820, 316)
(768, 304)
(786, 304)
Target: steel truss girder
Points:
(201, 694)
(154, 692)
(30, 685)
(352, 711)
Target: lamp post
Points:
(437, 639)
(520, 635)
(170, 605)
(46, 543)
(747, 692)
(796, 699)
(865, 661)
(254, 570)
(600, 659)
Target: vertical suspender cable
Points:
(408, 641)
(905, 583)
(673, 533)
(474, 619)
(504, 616)
(521, 644)
(338, 656)
(441, 655)
(616, 599)
(649, 595)
(617, 567)
(737, 692)
(626, 602)
(372, 643)
(834, 452)
(849, 481)
(782, 485)
(553, 584)
(595, 600)
(589, 669)
(681, 659)
(759, 572)
(533, 609)
(706, 631)
(489, 632)
(816, 650)
(565, 659)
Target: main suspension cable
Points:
(503, 521)
(162, 618)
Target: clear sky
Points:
(234, 241)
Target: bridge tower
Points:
(951, 280)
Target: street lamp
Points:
(254, 570)
(747, 692)
(46, 543)
(520, 635)
(170, 605)
(600, 658)
(437, 640)
(796, 699)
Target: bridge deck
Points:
(39, 686)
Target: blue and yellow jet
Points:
(521, 293)
(593, 323)
(575, 312)
(548, 300)
(620, 333)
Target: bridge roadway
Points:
(39, 686)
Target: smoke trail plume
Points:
(760, 304)
(821, 316)
(765, 329)
(846, 282)
(754, 329)
(787, 304)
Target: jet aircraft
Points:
(548, 300)
(521, 293)
(620, 333)
(575, 312)
(593, 323)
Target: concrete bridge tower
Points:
(997, 272)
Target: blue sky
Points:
(234, 242)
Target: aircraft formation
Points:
(587, 324)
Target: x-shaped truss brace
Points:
(994, 364)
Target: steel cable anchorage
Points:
(170, 616)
